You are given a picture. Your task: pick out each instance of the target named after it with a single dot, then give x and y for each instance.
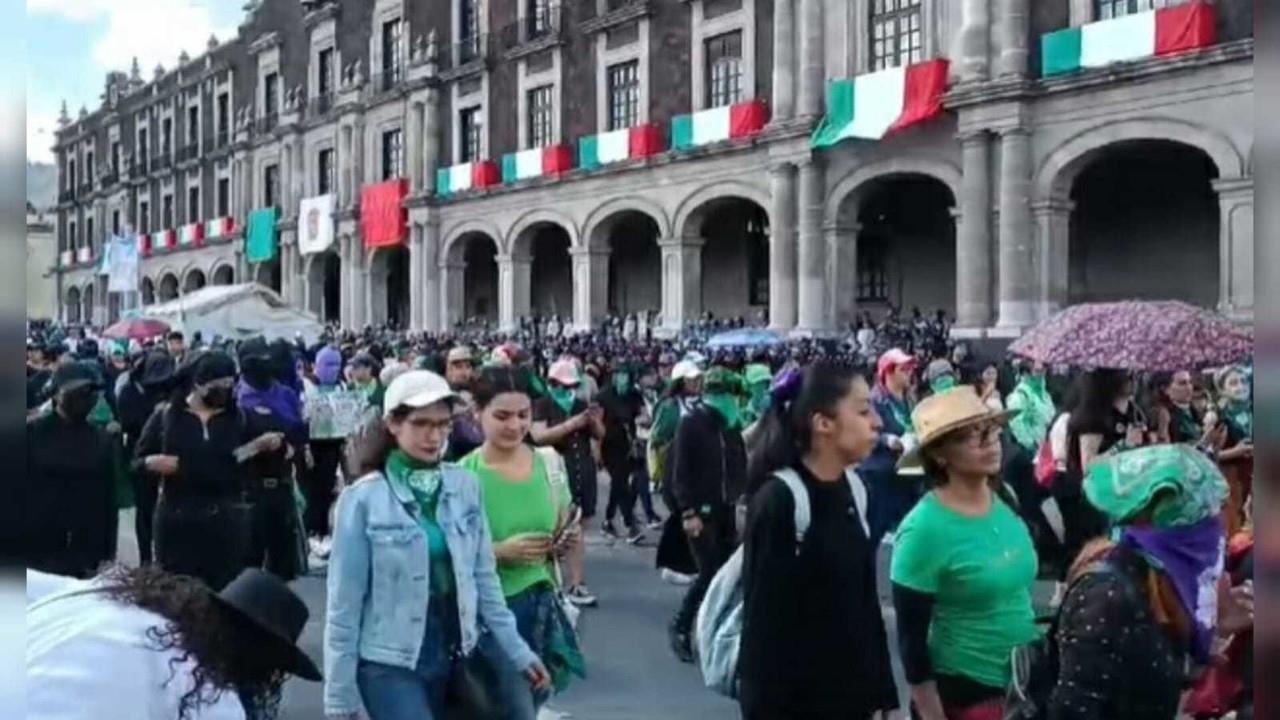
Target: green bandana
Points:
(424, 482)
(1124, 484)
(1239, 415)
(562, 396)
(726, 406)
(1030, 426)
(943, 384)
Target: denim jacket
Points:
(379, 587)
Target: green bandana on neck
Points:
(726, 406)
(562, 396)
(943, 384)
(424, 482)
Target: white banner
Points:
(315, 224)
(122, 265)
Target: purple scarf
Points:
(283, 402)
(1191, 556)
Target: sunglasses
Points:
(980, 436)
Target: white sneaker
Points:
(676, 578)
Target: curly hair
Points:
(221, 643)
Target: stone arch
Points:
(463, 229)
(600, 216)
(168, 287)
(193, 278)
(88, 298)
(1056, 174)
(147, 291)
(222, 274)
(846, 192)
(689, 213)
(71, 305)
(519, 233)
(388, 289)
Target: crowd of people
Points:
(445, 484)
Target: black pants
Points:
(321, 480)
(145, 493)
(711, 549)
(273, 537)
(201, 537)
(640, 490)
(620, 497)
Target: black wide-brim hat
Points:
(269, 606)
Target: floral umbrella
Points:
(1135, 335)
(136, 329)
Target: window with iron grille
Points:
(1107, 9)
(896, 36)
(144, 217)
(193, 125)
(324, 165)
(271, 94)
(873, 278)
(324, 72)
(88, 232)
(224, 197)
(624, 94)
(271, 186)
(89, 167)
(144, 150)
(391, 51)
(71, 175)
(224, 117)
(166, 211)
(115, 158)
(73, 241)
(391, 154)
(538, 19)
(469, 125)
(469, 29)
(166, 137)
(193, 204)
(724, 69)
(540, 109)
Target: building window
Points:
(193, 125)
(224, 117)
(624, 94)
(469, 127)
(324, 183)
(115, 223)
(166, 137)
(468, 30)
(115, 158)
(166, 212)
(1107, 9)
(88, 232)
(193, 204)
(541, 108)
(271, 94)
(757, 236)
(89, 168)
(73, 241)
(271, 186)
(144, 151)
(144, 217)
(224, 197)
(71, 175)
(896, 38)
(873, 278)
(391, 53)
(538, 20)
(324, 72)
(724, 69)
(391, 154)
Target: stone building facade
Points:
(1029, 193)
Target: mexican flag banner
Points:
(536, 162)
(467, 176)
(874, 105)
(728, 122)
(614, 146)
(1132, 37)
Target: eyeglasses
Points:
(980, 436)
(435, 427)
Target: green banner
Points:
(260, 235)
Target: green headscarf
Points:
(1030, 426)
(562, 395)
(943, 384)
(758, 378)
(1122, 485)
(720, 390)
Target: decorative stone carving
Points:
(212, 43)
(159, 71)
(183, 58)
(433, 44)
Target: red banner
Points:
(383, 217)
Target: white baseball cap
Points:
(685, 370)
(416, 389)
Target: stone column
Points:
(286, 179)
(452, 292)
(1053, 246)
(973, 236)
(590, 286)
(782, 247)
(1017, 272)
(311, 295)
(413, 145)
(811, 62)
(973, 45)
(1235, 271)
(842, 273)
(416, 287)
(681, 282)
(359, 282)
(812, 256)
(432, 310)
(431, 140)
(287, 276)
(345, 177)
(784, 61)
(515, 271)
(344, 281)
(1010, 32)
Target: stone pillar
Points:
(286, 180)
(288, 278)
(973, 236)
(345, 178)
(590, 286)
(842, 273)
(1053, 248)
(1017, 273)
(784, 62)
(973, 45)
(782, 247)
(357, 162)
(413, 145)
(344, 281)
(1235, 273)
(1011, 30)
(431, 140)
(812, 256)
(311, 295)
(452, 292)
(515, 272)
(681, 282)
(416, 286)
(432, 309)
(359, 283)
(811, 61)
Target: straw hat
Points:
(940, 414)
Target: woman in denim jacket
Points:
(411, 575)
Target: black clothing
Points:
(710, 550)
(1081, 521)
(914, 610)
(1115, 662)
(320, 484)
(134, 406)
(813, 641)
(38, 388)
(617, 450)
(576, 451)
(70, 492)
(708, 463)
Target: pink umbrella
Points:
(136, 329)
(1135, 335)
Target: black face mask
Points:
(216, 397)
(75, 405)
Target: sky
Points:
(71, 45)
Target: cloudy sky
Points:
(73, 44)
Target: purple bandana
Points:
(1191, 556)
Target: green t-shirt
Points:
(981, 572)
(514, 508)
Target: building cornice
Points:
(327, 11)
(265, 42)
(634, 10)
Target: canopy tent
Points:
(236, 312)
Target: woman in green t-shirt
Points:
(963, 565)
(526, 499)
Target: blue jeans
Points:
(395, 693)
(506, 682)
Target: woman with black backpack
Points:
(813, 639)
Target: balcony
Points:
(138, 169)
(383, 82)
(161, 161)
(320, 105)
(266, 123)
(223, 138)
(67, 196)
(466, 56)
(110, 179)
(189, 152)
(86, 189)
(532, 33)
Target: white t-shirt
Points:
(89, 658)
